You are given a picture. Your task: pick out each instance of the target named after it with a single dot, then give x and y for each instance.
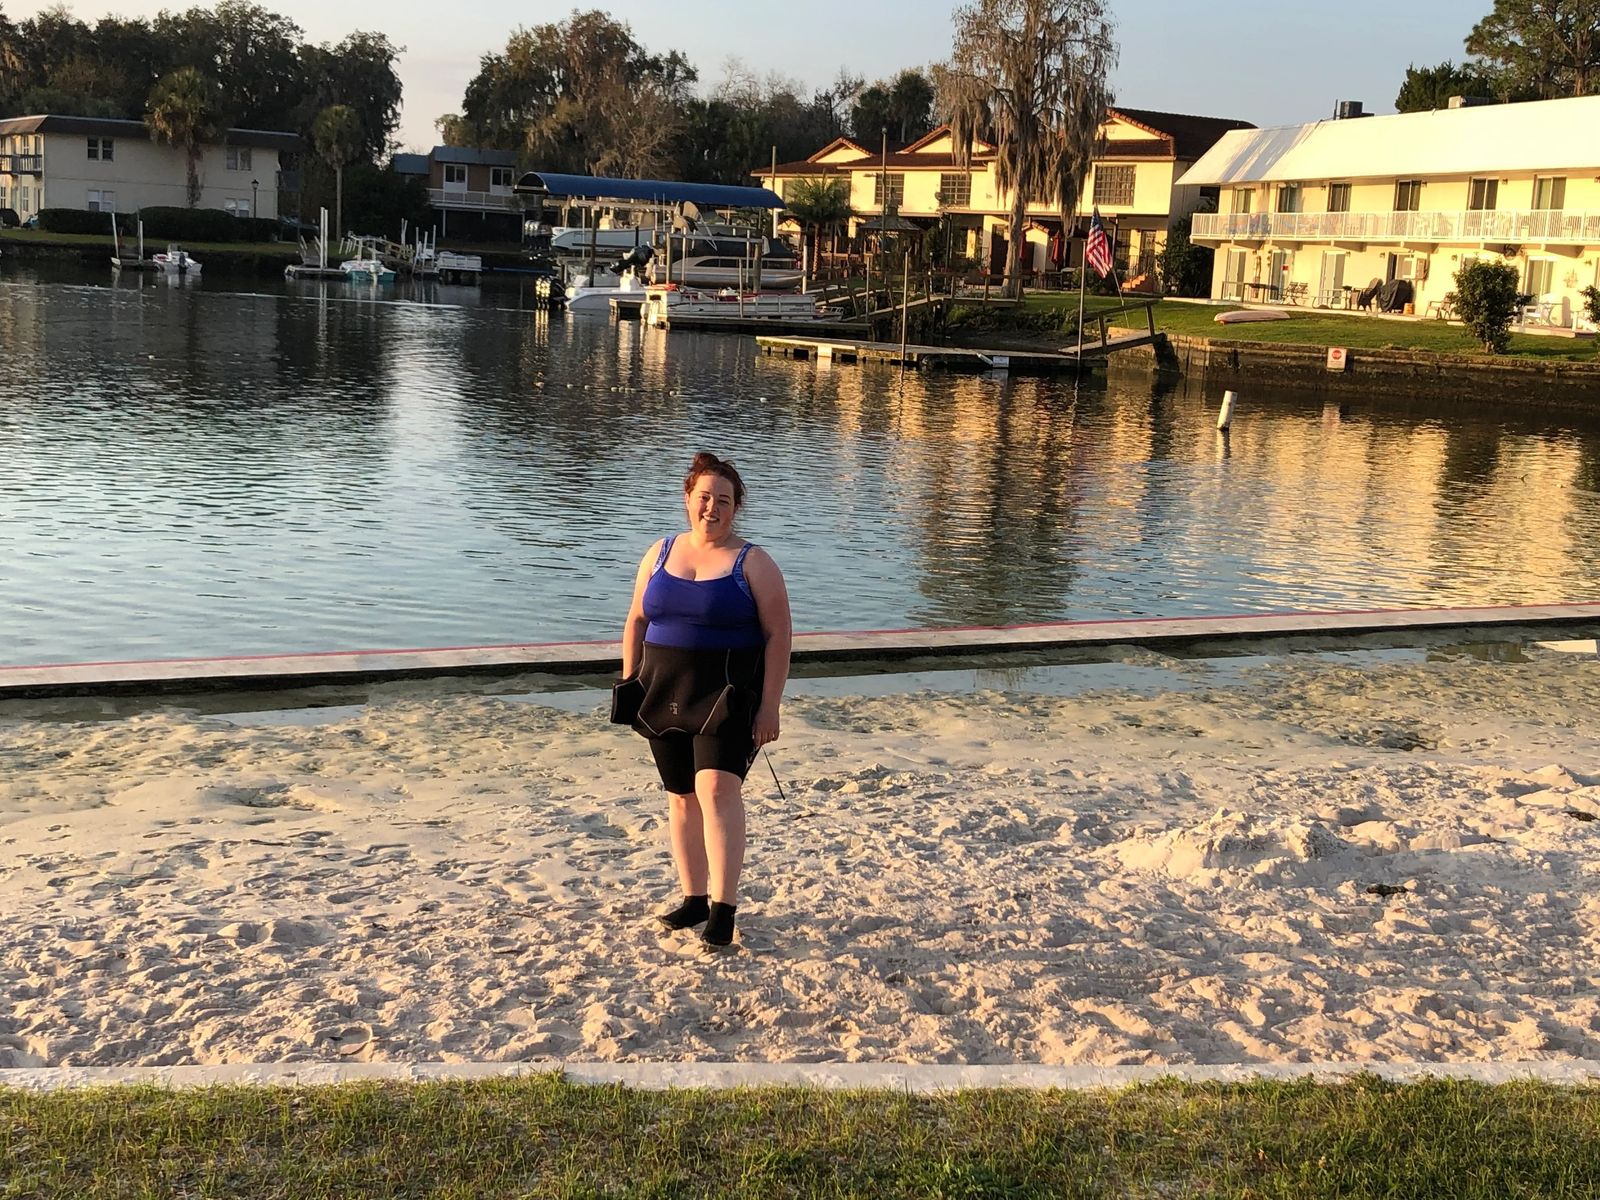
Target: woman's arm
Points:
(772, 606)
(633, 628)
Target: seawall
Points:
(1410, 373)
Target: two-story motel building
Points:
(1134, 182)
(1314, 213)
(104, 165)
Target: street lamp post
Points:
(255, 197)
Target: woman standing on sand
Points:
(708, 637)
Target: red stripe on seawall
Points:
(844, 633)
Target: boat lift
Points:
(667, 198)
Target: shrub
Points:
(192, 225)
(1487, 300)
(79, 220)
(1185, 267)
(1591, 304)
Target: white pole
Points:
(1225, 417)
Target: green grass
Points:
(1312, 327)
(151, 245)
(542, 1137)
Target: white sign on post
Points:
(1338, 359)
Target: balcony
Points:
(475, 201)
(21, 164)
(1543, 226)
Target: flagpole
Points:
(1116, 229)
(1083, 279)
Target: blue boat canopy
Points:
(652, 191)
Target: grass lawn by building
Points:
(1308, 327)
(542, 1137)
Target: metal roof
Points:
(115, 127)
(653, 191)
(1540, 135)
(411, 164)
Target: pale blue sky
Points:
(1271, 62)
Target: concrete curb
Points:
(897, 1077)
(258, 672)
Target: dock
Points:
(1108, 340)
(305, 271)
(834, 653)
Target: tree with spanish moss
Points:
(1030, 76)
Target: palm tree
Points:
(337, 134)
(819, 202)
(185, 109)
(1030, 75)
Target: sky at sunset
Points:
(1271, 62)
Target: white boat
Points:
(366, 270)
(176, 260)
(594, 294)
(663, 302)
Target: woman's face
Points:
(710, 506)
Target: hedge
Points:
(164, 224)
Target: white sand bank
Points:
(993, 878)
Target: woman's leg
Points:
(722, 811)
(687, 828)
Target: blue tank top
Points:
(701, 614)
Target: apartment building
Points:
(1315, 213)
(104, 165)
(1135, 183)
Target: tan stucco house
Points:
(1134, 182)
(105, 165)
(1315, 213)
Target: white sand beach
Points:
(997, 877)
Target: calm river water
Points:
(234, 468)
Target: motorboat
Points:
(594, 294)
(176, 260)
(664, 301)
(695, 253)
(366, 270)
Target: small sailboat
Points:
(176, 261)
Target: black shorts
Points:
(698, 711)
(680, 755)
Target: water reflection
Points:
(204, 469)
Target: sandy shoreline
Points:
(999, 877)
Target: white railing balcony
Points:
(1465, 226)
(477, 201)
(21, 164)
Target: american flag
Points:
(1097, 251)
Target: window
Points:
(1242, 199)
(1338, 197)
(455, 175)
(102, 201)
(1482, 194)
(24, 199)
(1408, 195)
(1549, 193)
(897, 190)
(238, 158)
(1113, 185)
(500, 179)
(1289, 198)
(237, 208)
(102, 149)
(955, 190)
(1541, 276)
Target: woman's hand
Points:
(766, 725)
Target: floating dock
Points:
(928, 647)
(953, 358)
